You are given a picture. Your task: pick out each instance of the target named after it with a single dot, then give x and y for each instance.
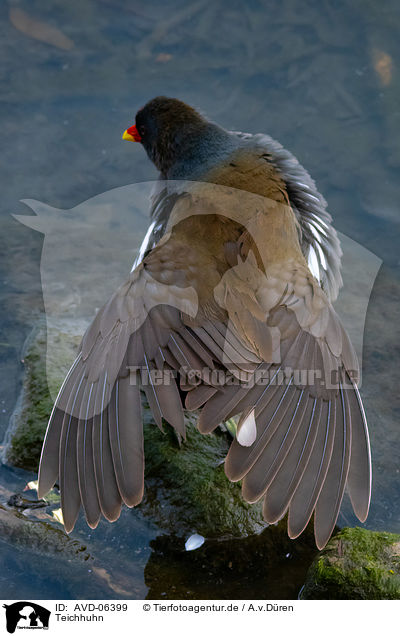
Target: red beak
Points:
(132, 134)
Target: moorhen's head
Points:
(172, 133)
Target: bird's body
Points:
(224, 284)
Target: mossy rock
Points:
(186, 489)
(189, 477)
(42, 379)
(356, 564)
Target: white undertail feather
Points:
(247, 431)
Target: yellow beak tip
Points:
(127, 137)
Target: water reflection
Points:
(268, 566)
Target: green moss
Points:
(356, 564)
(190, 478)
(32, 413)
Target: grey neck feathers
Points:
(198, 153)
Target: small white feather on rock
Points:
(193, 542)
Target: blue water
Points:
(322, 77)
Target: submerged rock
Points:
(356, 564)
(27, 522)
(36, 534)
(41, 536)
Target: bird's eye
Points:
(142, 131)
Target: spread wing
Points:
(310, 437)
(94, 440)
(193, 306)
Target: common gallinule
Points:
(230, 306)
